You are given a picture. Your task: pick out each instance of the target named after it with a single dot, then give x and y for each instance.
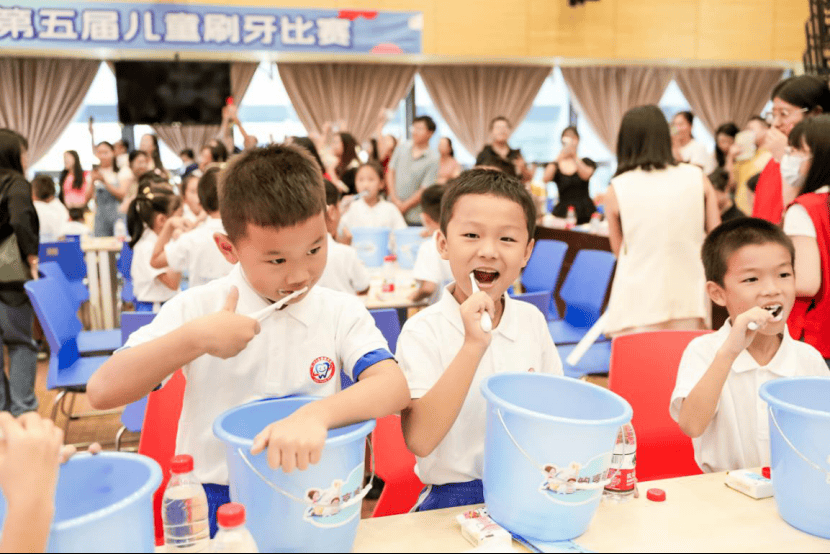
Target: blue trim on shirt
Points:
(370, 359)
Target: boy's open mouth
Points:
(776, 310)
(485, 276)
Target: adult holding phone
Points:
(572, 175)
(108, 191)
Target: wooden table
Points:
(399, 300)
(700, 514)
(103, 282)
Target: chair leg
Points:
(56, 405)
(118, 436)
(68, 414)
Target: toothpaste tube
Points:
(478, 528)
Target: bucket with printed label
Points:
(371, 244)
(407, 243)
(103, 503)
(799, 433)
(316, 510)
(547, 453)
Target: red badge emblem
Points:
(322, 370)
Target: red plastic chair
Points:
(643, 371)
(395, 464)
(158, 436)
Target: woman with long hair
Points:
(150, 145)
(108, 190)
(72, 183)
(344, 148)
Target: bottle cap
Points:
(767, 473)
(390, 258)
(230, 515)
(182, 463)
(656, 495)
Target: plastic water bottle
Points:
(622, 473)
(233, 536)
(390, 270)
(185, 509)
(120, 229)
(596, 222)
(570, 219)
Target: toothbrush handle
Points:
(486, 323)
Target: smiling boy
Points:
(487, 225)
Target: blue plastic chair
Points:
(539, 299)
(596, 360)
(390, 326)
(542, 271)
(88, 342)
(78, 290)
(132, 418)
(124, 264)
(584, 293)
(68, 255)
(68, 371)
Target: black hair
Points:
(452, 150)
(426, 120)
(156, 155)
(752, 182)
(349, 154)
(644, 141)
(186, 152)
(571, 129)
(488, 181)
(152, 199)
(10, 151)
(114, 159)
(497, 119)
(77, 214)
(728, 129)
(309, 145)
(687, 115)
(805, 91)
(730, 236)
(816, 135)
(333, 194)
(136, 153)
(77, 174)
(43, 187)
(218, 151)
(125, 143)
(431, 201)
(719, 179)
(376, 167)
(208, 190)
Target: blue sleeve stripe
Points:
(370, 359)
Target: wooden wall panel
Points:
(651, 29)
(729, 27)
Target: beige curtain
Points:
(604, 94)
(470, 96)
(40, 96)
(721, 95)
(179, 137)
(351, 92)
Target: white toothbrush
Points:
(265, 312)
(486, 322)
(752, 326)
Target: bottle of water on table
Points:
(233, 536)
(623, 473)
(185, 509)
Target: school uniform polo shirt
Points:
(146, 286)
(382, 214)
(430, 266)
(738, 435)
(300, 350)
(196, 252)
(344, 270)
(428, 344)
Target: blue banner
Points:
(29, 24)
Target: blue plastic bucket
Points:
(799, 429)
(371, 243)
(548, 448)
(407, 243)
(316, 510)
(103, 503)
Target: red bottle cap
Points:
(390, 258)
(182, 463)
(230, 515)
(656, 495)
(767, 473)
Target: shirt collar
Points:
(508, 326)
(250, 300)
(782, 363)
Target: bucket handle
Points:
(581, 486)
(807, 460)
(351, 502)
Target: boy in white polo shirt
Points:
(431, 271)
(344, 269)
(487, 225)
(749, 268)
(273, 208)
(195, 251)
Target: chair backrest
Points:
(643, 371)
(158, 436)
(540, 299)
(125, 261)
(57, 317)
(542, 271)
(133, 321)
(389, 324)
(586, 285)
(68, 255)
(395, 464)
(53, 270)
(133, 415)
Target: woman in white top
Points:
(658, 215)
(685, 148)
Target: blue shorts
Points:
(145, 306)
(217, 495)
(451, 495)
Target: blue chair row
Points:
(542, 272)
(132, 418)
(69, 257)
(124, 265)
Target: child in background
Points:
(487, 225)
(193, 211)
(720, 182)
(273, 208)
(370, 209)
(196, 250)
(148, 213)
(76, 224)
(431, 271)
(749, 270)
(51, 212)
(344, 270)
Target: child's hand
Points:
(294, 442)
(471, 312)
(69, 450)
(741, 336)
(225, 333)
(29, 458)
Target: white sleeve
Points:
(428, 263)
(693, 366)
(797, 222)
(358, 274)
(419, 358)
(178, 252)
(396, 220)
(357, 334)
(141, 271)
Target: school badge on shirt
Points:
(322, 370)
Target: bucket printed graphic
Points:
(338, 504)
(577, 483)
